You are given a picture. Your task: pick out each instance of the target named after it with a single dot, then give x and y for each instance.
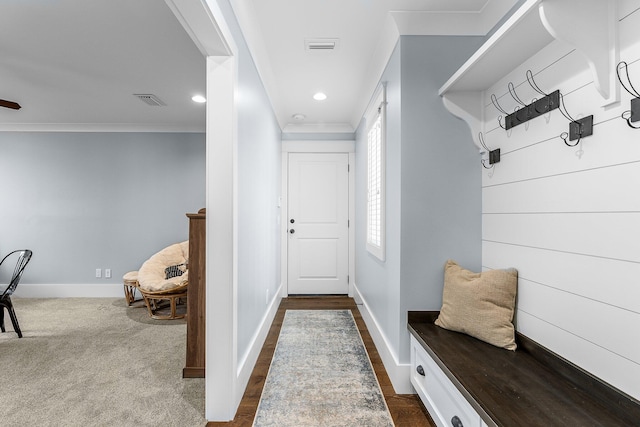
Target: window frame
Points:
(377, 111)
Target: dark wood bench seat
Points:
(529, 387)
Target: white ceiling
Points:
(75, 64)
(367, 31)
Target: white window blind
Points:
(375, 177)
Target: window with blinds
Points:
(375, 177)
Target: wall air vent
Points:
(321, 44)
(150, 99)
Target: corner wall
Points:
(249, 179)
(441, 192)
(377, 282)
(433, 199)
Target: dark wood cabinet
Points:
(196, 302)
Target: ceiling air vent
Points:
(320, 44)
(150, 99)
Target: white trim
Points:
(250, 28)
(76, 290)
(399, 373)
(455, 23)
(389, 37)
(101, 127)
(284, 200)
(248, 362)
(344, 146)
(378, 99)
(352, 223)
(318, 128)
(205, 23)
(221, 235)
(198, 18)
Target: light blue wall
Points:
(259, 156)
(83, 201)
(377, 281)
(441, 186)
(433, 194)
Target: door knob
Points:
(292, 231)
(292, 220)
(455, 422)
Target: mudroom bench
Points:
(465, 382)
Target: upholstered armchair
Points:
(165, 276)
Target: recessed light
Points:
(199, 99)
(319, 96)
(298, 117)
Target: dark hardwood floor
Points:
(406, 409)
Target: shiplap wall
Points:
(569, 218)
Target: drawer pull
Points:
(420, 370)
(455, 421)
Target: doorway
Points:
(317, 256)
(318, 217)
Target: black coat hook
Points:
(533, 83)
(578, 129)
(565, 135)
(494, 155)
(627, 115)
(494, 101)
(514, 95)
(631, 89)
(632, 115)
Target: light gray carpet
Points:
(321, 375)
(95, 362)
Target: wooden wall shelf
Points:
(590, 26)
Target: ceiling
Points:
(366, 31)
(76, 64)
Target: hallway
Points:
(406, 410)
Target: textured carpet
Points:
(95, 362)
(321, 375)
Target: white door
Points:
(318, 215)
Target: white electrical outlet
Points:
(98, 273)
(107, 273)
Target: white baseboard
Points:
(94, 290)
(245, 366)
(399, 373)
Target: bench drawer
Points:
(445, 403)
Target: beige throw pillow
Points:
(480, 304)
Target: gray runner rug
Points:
(321, 375)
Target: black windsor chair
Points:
(24, 255)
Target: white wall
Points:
(243, 283)
(569, 218)
(257, 193)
